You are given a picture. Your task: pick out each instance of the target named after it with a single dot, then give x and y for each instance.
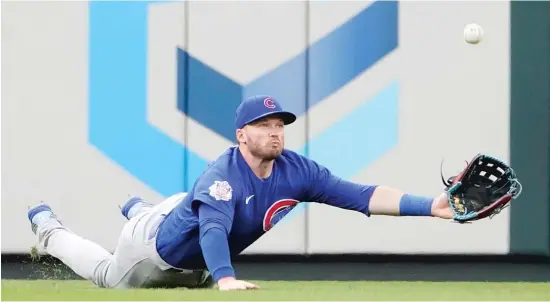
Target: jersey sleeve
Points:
(324, 187)
(214, 203)
(215, 190)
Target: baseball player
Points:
(189, 239)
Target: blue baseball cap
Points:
(260, 106)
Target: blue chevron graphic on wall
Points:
(118, 123)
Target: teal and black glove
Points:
(485, 187)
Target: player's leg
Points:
(135, 262)
(83, 256)
(137, 249)
(88, 259)
(133, 206)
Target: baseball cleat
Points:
(39, 214)
(133, 206)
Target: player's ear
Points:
(240, 136)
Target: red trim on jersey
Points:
(276, 207)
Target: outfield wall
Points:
(107, 99)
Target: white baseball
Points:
(473, 33)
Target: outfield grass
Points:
(286, 290)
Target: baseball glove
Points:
(482, 189)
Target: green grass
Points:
(285, 290)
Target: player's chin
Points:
(273, 153)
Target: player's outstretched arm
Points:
(390, 201)
(370, 199)
(485, 187)
(482, 189)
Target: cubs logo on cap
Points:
(268, 102)
(260, 106)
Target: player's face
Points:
(265, 138)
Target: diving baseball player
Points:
(189, 239)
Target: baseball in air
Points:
(473, 33)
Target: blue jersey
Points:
(240, 207)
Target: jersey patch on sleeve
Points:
(221, 190)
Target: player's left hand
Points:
(485, 187)
(441, 207)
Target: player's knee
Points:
(102, 276)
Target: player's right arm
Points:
(215, 205)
